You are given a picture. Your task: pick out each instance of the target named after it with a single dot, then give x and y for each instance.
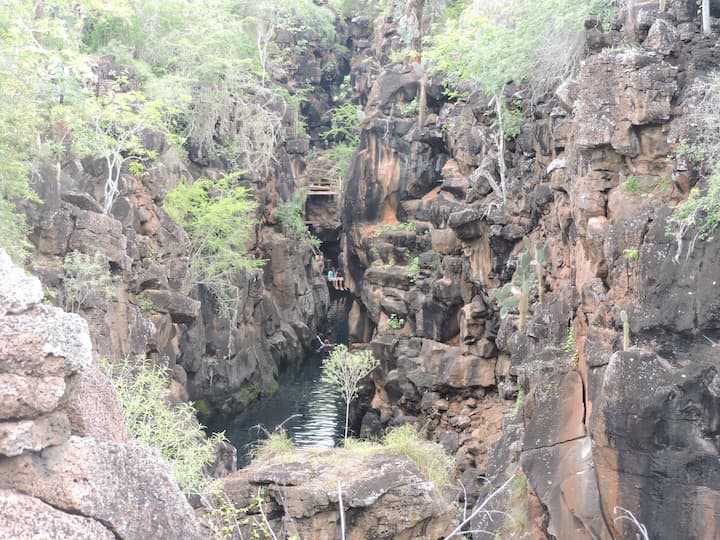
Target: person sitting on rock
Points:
(339, 281)
(331, 276)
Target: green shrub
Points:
(700, 213)
(395, 322)
(430, 458)
(219, 217)
(405, 226)
(292, 218)
(82, 274)
(571, 346)
(519, 399)
(274, 444)
(173, 430)
(144, 303)
(632, 185)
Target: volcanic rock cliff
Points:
(426, 241)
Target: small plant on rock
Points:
(631, 254)
(173, 430)
(518, 403)
(571, 346)
(430, 458)
(144, 303)
(82, 274)
(395, 322)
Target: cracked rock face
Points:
(66, 468)
(384, 495)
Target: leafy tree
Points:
(111, 128)
(219, 217)
(344, 370)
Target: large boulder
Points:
(125, 486)
(384, 495)
(22, 516)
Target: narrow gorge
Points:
(521, 198)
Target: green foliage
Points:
(34, 72)
(404, 226)
(292, 218)
(111, 128)
(219, 217)
(700, 212)
(274, 444)
(644, 187)
(498, 41)
(13, 231)
(173, 430)
(395, 322)
(632, 185)
(687, 150)
(631, 254)
(408, 110)
(516, 293)
(518, 403)
(540, 262)
(512, 120)
(571, 346)
(144, 303)
(344, 370)
(430, 458)
(83, 274)
(414, 269)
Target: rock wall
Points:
(598, 428)
(67, 468)
(152, 307)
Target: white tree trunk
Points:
(706, 16)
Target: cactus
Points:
(541, 263)
(626, 330)
(517, 292)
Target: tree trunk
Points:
(416, 8)
(501, 148)
(706, 16)
(422, 100)
(347, 416)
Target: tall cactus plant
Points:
(516, 293)
(540, 262)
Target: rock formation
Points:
(594, 428)
(383, 494)
(67, 469)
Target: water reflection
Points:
(321, 412)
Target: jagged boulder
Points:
(22, 516)
(384, 496)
